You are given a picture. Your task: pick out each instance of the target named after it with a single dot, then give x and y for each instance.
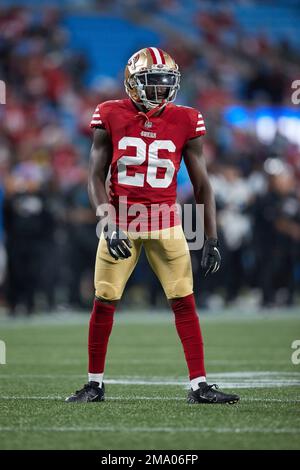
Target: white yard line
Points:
(224, 385)
(242, 384)
(174, 430)
(238, 380)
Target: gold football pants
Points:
(168, 254)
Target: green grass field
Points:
(146, 385)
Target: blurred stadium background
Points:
(238, 60)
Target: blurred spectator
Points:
(82, 242)
(277, 234)
(29, 237)
(233, 196)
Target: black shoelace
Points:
(85, 387)
(210, 387)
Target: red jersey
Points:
(147, 153)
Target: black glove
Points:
(118, 243)
(211, 258)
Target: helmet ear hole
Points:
(131, 83)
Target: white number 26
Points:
(138, 179)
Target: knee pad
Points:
(180, 288)
(107, 291)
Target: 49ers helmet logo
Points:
(132, 62)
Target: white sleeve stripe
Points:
(96, 115)
(200, 122)
(94, 121)
(200, 116)
(202, 128)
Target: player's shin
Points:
(189, 332)
(101, 323)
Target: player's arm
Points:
(196, 167)
(118, 243)
(100, 159)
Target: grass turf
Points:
(146, 377)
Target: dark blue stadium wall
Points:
(107, 42)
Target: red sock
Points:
(101, 323)
(189, 332)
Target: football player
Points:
(142, 140)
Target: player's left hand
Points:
(211, 258)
